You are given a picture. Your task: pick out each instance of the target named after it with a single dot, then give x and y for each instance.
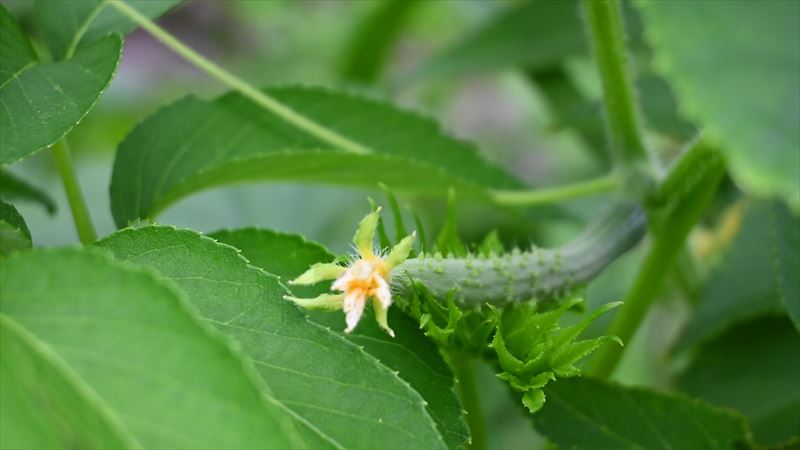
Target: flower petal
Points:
(365, 234)
(383, 293)
(354, 308)
(381, 315)
(319, 272)
(324, 301)
(341, 283)
(400, 251)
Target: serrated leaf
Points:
(195, 144)
(14, 234)
(737, 290)
(752, 109)
(411, 354)
(343, 396)
(786, 255)
(15, 188)
(754, 369)
(133, 341)
(32, 375)
(69, 24)
(533, 34)
(41, 102)
(583, 413)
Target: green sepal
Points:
(319, 272)
(533, 400)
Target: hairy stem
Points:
(669, 235)
(80, 214)
(607, 36)
(598, 185)
(539, 273)
(236, 83)
(464, 369)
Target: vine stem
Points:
(607, 35)
(80, 214)
(598, 185)
(237, 83)
(464, 368)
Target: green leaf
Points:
(70, 24)
(411, 354)
(41, 102)
(786, 254)
(33, 376)
(534, 34)
(194, 144)
(15, 188)
(341, 395)
(584, 413)
(734, 67)
(134, 342)
(752, 368)
(14, 234)
(737, 290)
(369, 47)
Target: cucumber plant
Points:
(157, 335)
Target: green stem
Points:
(607, 35)
(464, 369)
(236, 83)
(687, 171)
(669, 235)
(80, 214)
(536, 197)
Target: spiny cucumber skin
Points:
(521, 276)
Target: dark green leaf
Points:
(70, 24)
(411, 354)
(583, 413)
(738, 289)
(14, 188)
(533, 34)
(41, 102)
(33, 376)
(786, 254)
(753, 368)
(735, 68)
(342, 396)
(14, 234)
(135, 342)
(194, 144)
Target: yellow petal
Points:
(319, 272)
(324, 301)
(365, 234)
(400, 251)
(381, 314)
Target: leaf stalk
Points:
(80, 214)
(599, 185)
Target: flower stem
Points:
(236, 83)
(607, 36)
(464, 368)
(80, 214)
(537, 197)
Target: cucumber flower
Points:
(366, 277)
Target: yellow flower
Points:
(368, 276)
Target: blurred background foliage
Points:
(540, 121)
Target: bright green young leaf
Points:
(369, 48)
(411, 354)
(344, 397)
(14, 234)
(69, 24)
(786, 254)
(194, 144)
(753, 368)
(583, 413)
(533, 34)
(15, 188)
(738, 289)
(33, 375)
(735, 67)
(135, 343)
(41, 102)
